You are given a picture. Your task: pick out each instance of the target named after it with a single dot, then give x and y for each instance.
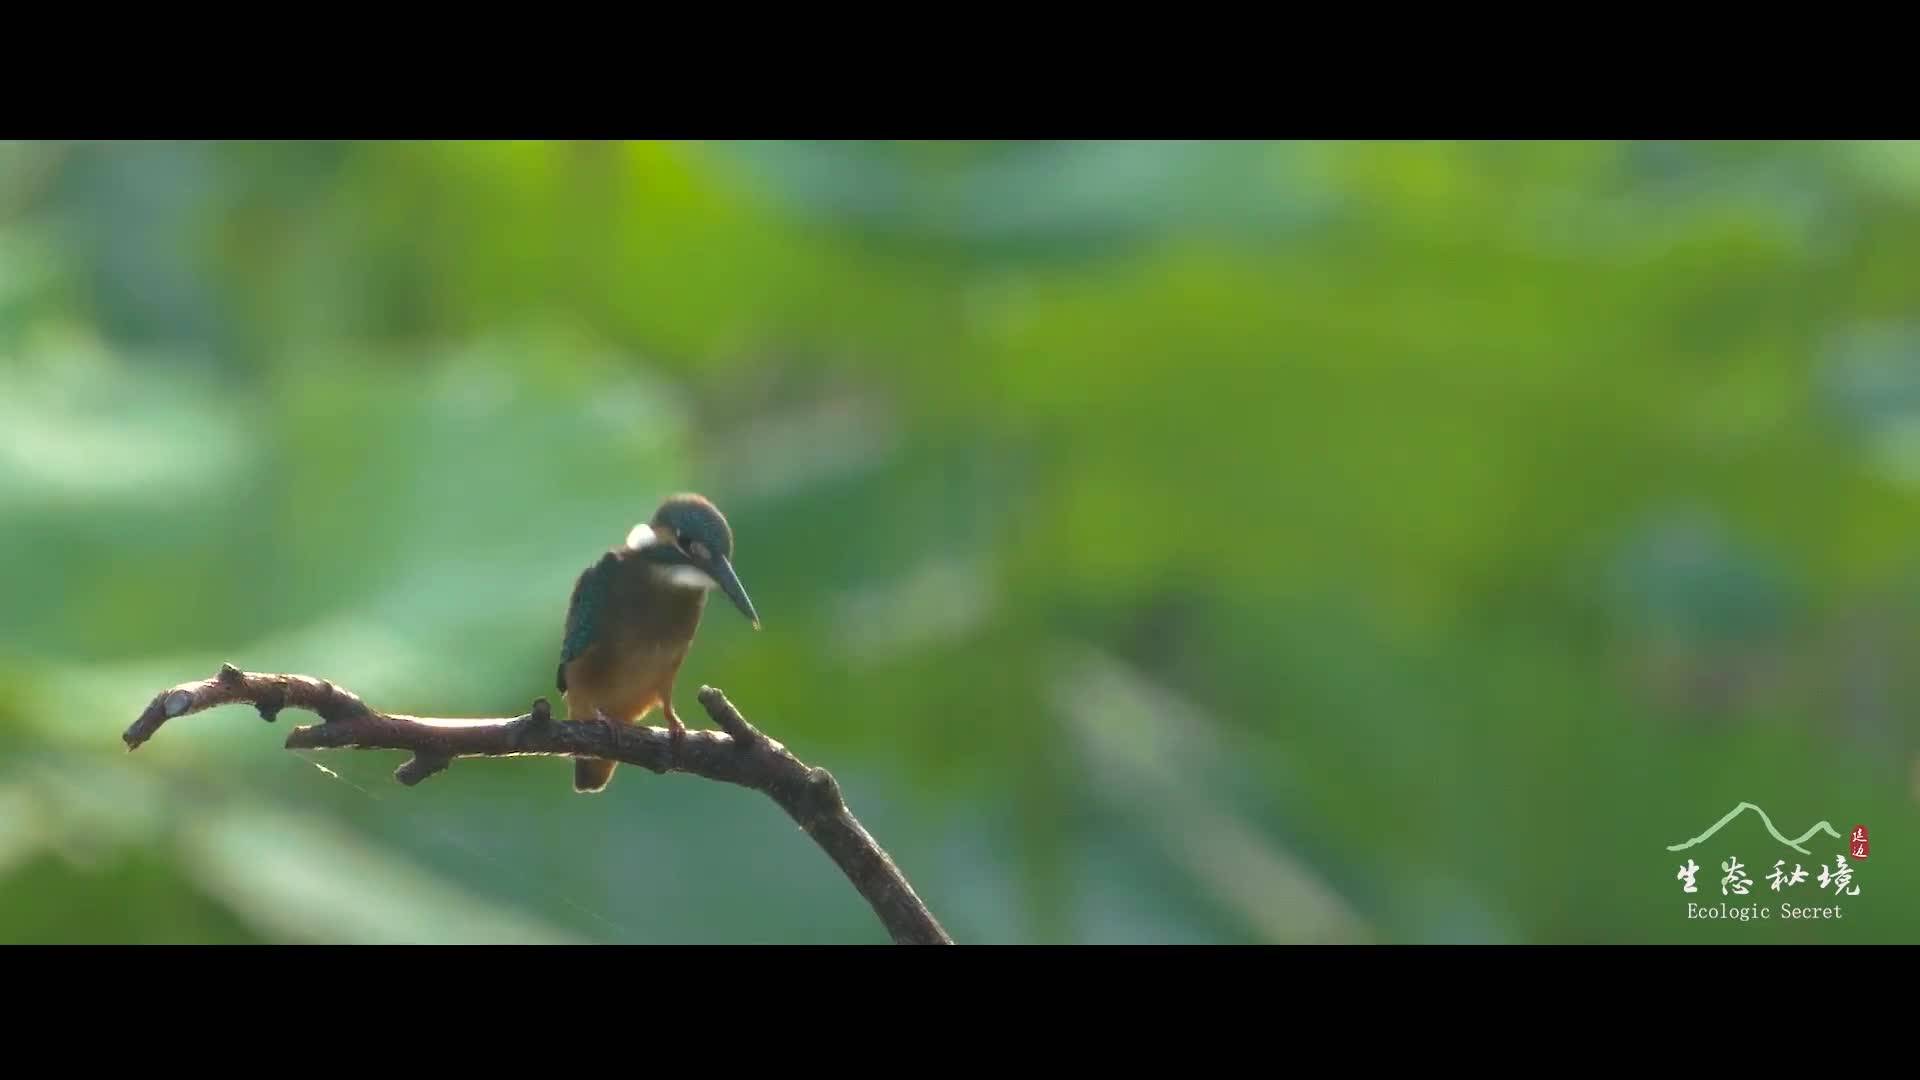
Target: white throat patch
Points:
(687, 577)
(641, 536)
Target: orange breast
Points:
(624, 676)
(646, 632)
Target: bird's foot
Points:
(676, 737)
(608, 722)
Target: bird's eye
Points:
(697, 549)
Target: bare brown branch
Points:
(736, 754)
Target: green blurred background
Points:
(1178, 542)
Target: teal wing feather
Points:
(590, 591)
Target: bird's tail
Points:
(591, 774)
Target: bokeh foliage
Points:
(1162, 542)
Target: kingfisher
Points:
(632, 617)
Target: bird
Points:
(632, 616)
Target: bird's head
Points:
(691, 539)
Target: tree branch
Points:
(737, 754)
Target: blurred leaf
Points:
(301, 880)
(1043, 198)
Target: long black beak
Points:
(720, 570)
